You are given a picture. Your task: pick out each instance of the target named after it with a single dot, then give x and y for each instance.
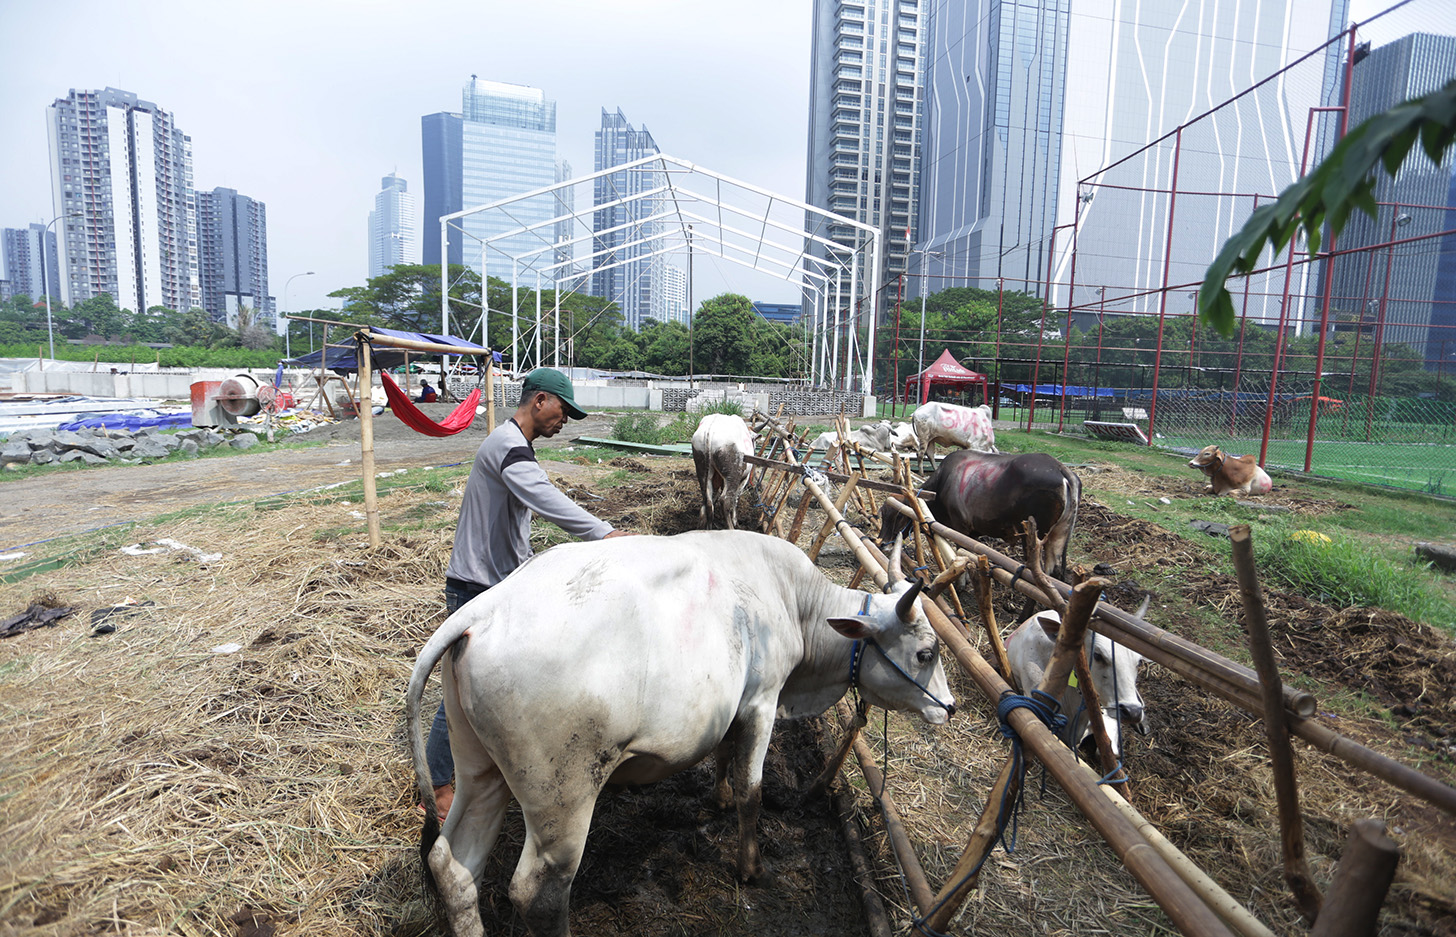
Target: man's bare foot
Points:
(444, 796)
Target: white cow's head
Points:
(897, 662)
(1114, 673)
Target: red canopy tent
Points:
(946, 370)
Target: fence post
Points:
(1067, 332)
(1163, 293)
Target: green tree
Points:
(408, 297)
(251, 334)
(664, 347)
(98, 315)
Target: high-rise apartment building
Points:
(501, 144)
(392, 236)
(232, 234)
(121, 178)
(1026, 98)
(1416, 281)
(675, 294)
(865, 112)
(23, 253)
(626, 267)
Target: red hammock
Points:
(415, 418)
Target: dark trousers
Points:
(437, 747)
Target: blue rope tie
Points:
(1044, 706)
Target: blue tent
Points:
(344, 360)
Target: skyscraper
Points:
(232, 235)
(21, 251)
(624, 236)
(501, 144)
(442, 141)
(865, 111)
(1017, 112)
(1417, 280)
(675, 290)
(392, 237)
(122, 165)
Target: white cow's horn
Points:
(905, 607)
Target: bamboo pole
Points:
(876, 919)
(915, 878)
(851, 723)
(366, 448)
(1281, 757)
(891, 487)
(1008, 783)
(832, 520)
(1213, 895)
(1364, 875)
(436, 348)
(982, 583)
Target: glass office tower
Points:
(624, 237)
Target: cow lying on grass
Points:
(1114, 671)
(1231, 474)
(629, 660)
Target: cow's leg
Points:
(722, 762)
(458, 855)
(555, 837)
(705, 483)
(732, 485)
(754, 729)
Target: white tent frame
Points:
(834, 284)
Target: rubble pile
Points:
(95, 446)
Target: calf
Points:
(719, 446)
(950, 425)
(1226, 473)
(990, 494)
(1114, 671)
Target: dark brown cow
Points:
(985, 494)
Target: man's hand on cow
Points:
(621, 533)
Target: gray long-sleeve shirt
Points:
(506, 486)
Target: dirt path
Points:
(51, 504)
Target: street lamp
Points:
(45, 277)
(924, 296)
(287, 348)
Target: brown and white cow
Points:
(1228, 474)
(985, 494)
(950, 425)
(631, 659)
(720, 444)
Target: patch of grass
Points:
(1345, 573)
(638, 427)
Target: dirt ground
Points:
(289, 797)
(56, 503)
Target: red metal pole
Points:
(1359, 332)
(1041, 332)
(1067, 332)
(1319, 361)
(895, 387)
(1097, 373)
(1239, 356)
(1163, 295)
(1378, 347)
(1000, 297)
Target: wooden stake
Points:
(366, 449)
(489, 394)
(988, 617)
(1366, 870)
(1281, 757)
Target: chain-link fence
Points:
(1342, 363)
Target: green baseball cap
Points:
(553, 382)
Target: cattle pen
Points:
(230, 759)
(1190, 898)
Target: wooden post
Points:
(1054, 679)
(988, 617)
(489, 393)
(1281, 756)
(1361, 881)
(366, 447)
(407, 391)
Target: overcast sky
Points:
(305, 104)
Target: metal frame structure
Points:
(689, 209)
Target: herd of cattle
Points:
(698, 641)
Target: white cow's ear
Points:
(854, 627)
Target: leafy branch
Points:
(1344, 181)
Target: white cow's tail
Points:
(440, 642)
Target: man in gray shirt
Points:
(493, 537)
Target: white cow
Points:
(1114, 673)
(878, 437)
(902, 435)
(950, 425)
(629, 660)
(720, 444)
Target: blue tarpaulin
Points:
(141, 419)
(1073, 390)
(344, 361)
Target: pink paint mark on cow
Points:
(976, 475)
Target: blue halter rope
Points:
(856, 657)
